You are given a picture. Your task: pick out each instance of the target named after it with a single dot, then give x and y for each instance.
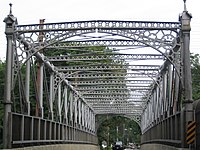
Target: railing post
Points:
(10, 22)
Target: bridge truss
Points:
(69, 72)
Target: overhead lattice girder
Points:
(99, 24)
(115, 86)
(117, 98)
(110, 87)
(113, 82)
(125, 96)
(117, 111)
(116, 101)
(104, 92)
(106, 57)
(118, 108)
(101, 67)
(165, 33)
(87, 43)
(111, 75)
(111, 97)
(119, 72)
(109, 92)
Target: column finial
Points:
(185, 9)
(10, 9)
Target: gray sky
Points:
(30, 11)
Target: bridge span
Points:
(60, 76)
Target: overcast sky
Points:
(30, 11)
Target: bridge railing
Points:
(165, 131)
(29, 130)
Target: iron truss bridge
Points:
(108, 58)
(69, 72)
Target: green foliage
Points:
(128, 130)
(2, 78)
(195, 69)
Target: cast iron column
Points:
(187, 78)
(10, 22)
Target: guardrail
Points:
(166, 131)
(29, 130)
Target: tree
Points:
(113, 127)
(195, 69)
(2, 77)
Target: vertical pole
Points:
(82, 115)
(10, 21)
(66, 105)
(94, 123)
(75, 111)
(71, 106)
(187, 78)
(27, 85)
(59, 102)
(79, 112)
(51, 95)
(41, 113)
(40, 75)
